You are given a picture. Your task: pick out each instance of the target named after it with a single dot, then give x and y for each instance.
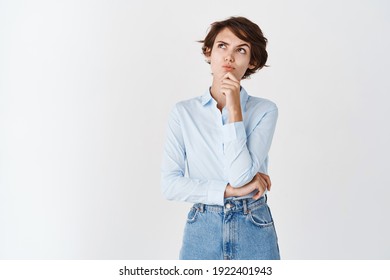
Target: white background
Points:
(85, 92)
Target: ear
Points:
(208, 52)
(251, 66)
(207, 55)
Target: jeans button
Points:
(228, 206)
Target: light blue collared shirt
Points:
(204, 152)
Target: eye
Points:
(221, 46)
(241, 50)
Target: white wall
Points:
(85, 91)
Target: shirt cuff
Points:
(233, 131)
(216, 193)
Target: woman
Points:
(216, 152)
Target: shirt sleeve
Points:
(174, 184)
(244, 154)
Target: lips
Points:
(228, 67)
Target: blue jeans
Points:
(240, 230)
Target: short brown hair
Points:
(247, 31)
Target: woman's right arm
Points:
(174, 185)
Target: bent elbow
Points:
(242, 180)
(168, 190)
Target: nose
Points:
(229, 58)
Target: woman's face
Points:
(229, 54)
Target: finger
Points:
(230, 82)
(267, 179)
(235, 85)
(227, 86)
(227, 89)
(258, 194)
(230, 76)
(263, 186)
(263, 183)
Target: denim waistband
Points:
(234, 205)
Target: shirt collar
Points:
(206, 98)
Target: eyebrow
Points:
(241, 45)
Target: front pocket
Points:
(192, 215)
(261, 216)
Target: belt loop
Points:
(245, 206)
(201, 207)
